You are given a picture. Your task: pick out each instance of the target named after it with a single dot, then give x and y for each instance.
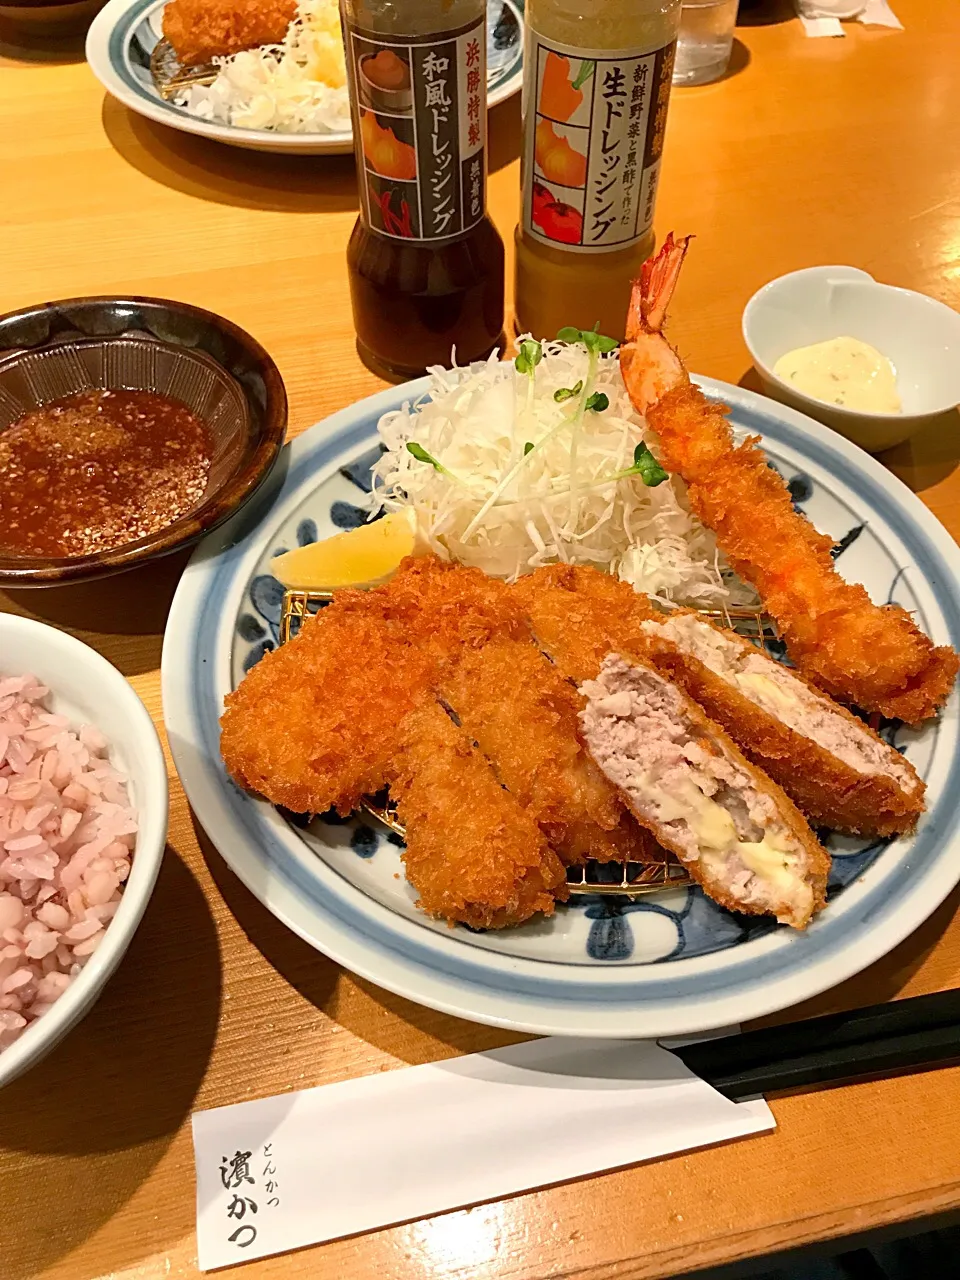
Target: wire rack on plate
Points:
(625, 880)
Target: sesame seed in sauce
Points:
(99, 469)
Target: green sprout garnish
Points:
(529, 356)
(596, 343)
(527, 448)
(646, 467)
(421, 455)
(597, 402)
(567, 393)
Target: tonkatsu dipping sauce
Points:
(98, 469)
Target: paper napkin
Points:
(301, 1168)
(822, 17)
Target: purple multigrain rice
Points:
(67, 834)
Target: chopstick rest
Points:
(297, 1169)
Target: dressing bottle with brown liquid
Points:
(426, 263)
(596, 86)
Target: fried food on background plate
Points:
(474, 854)
(523, 715)
(314, 725)
(735, 831)
(200, 30)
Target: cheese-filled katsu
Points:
(734, 829)
(837, 769)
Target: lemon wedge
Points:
(360, 557)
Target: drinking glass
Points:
(705, 40)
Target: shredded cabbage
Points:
(484, 497)
(298, 86)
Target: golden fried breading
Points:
(473, 853)
(579, 615)
(443, 605)
(831, 792)
(872, 656)
(314, 725)
(200, 30)
(523, 715)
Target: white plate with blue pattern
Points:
(125, 32)
(670, 964)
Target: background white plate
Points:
(672, 964)
(123, 35)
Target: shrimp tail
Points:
(651, 367)
(658, 279)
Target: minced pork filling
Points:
(775, 690)
(638, 729)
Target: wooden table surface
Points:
(812, 151)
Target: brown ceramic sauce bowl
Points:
(47, 19)
(146, 344)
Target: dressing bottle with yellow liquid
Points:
(597, 79)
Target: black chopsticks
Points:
(885, 1039)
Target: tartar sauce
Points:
(843, 371)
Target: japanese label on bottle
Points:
(421, 115)
(593, 136)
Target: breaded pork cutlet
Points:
(841, 774)
(200, 30)
(314, 725)
(735, 831)
(837, 769)
(473, 853)
(579, 615)
(523, 715)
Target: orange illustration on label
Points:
(387, 155)
(557, 160)
(561, 93)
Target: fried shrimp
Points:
(872, 656)
(200, 30)
(473, 853)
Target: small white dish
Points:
(86, 687)
(918, 334)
